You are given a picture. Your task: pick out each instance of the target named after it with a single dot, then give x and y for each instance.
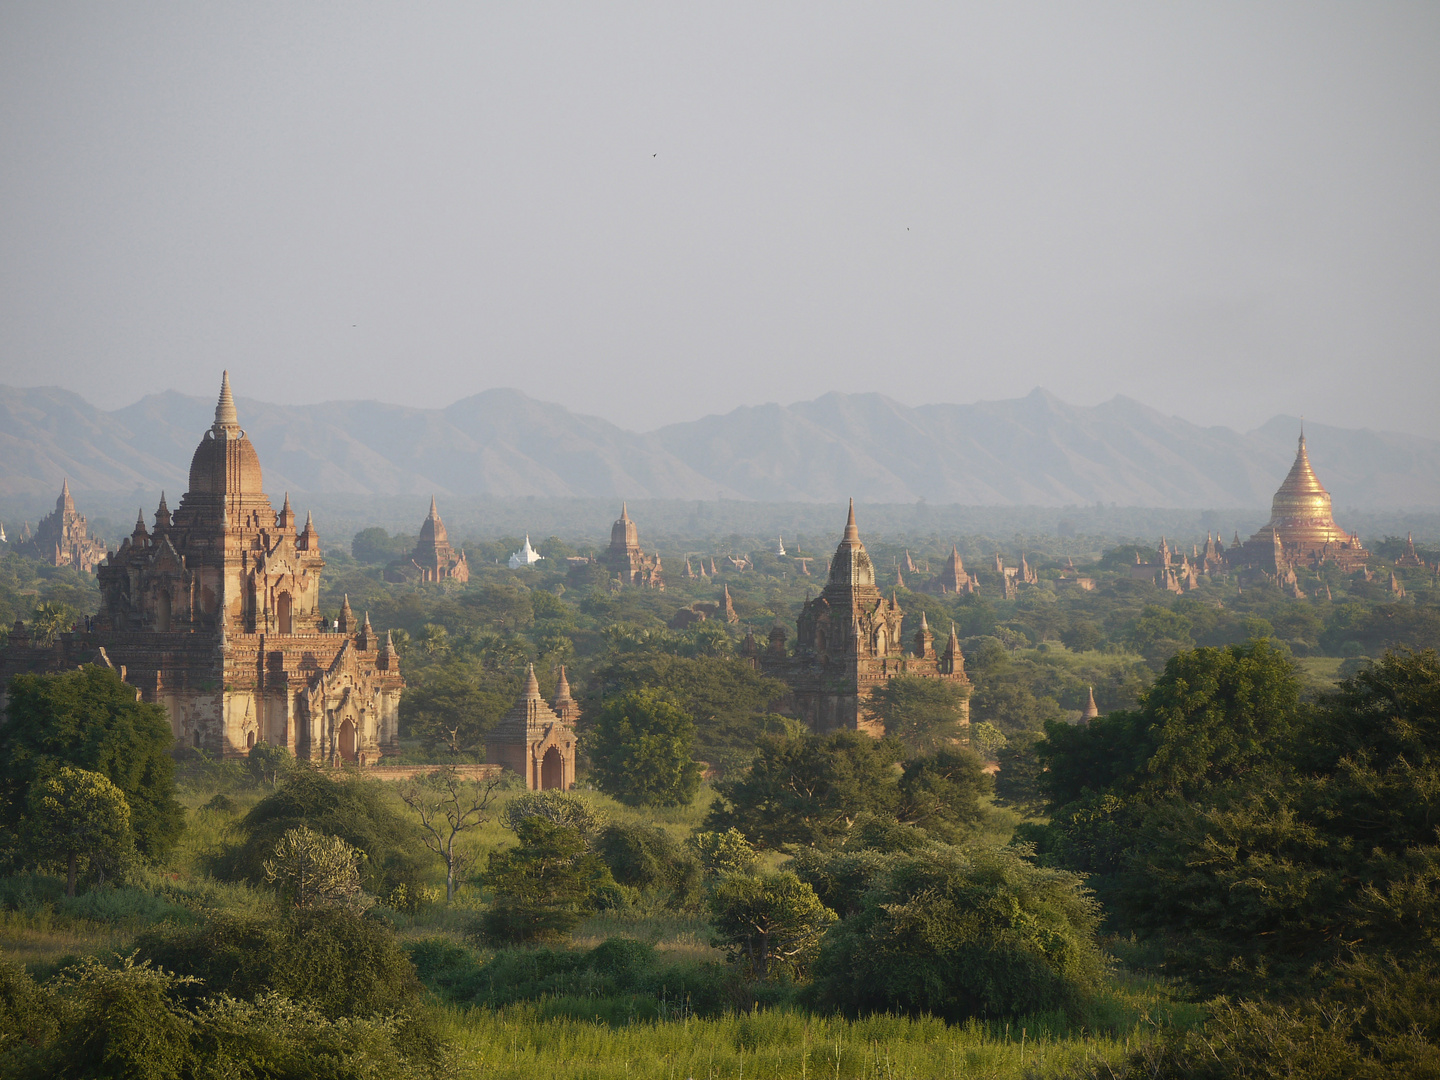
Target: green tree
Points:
(723, 853)
(647, 858)
(454, 704)
(1159, 633)
(941, 792)
(49, 621)
(641, 750)
(447, 806)
(565, 808)
(726, 697)
(771, 923)
(803, 790)
(74, 814)
(923, 714)
(987, 739)
(315, 870)
(91, 720)
(544, 885)
(269, 765)
(1265, 884)
(1018, 781)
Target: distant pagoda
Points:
(1302, 530)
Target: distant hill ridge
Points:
(1030, 451)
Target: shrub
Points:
(332, 959)
(543, 886)
(352, 808)
(722, 853)
(647, 858)
(620, 969)
(312, 870)
(560, 807)
(960, 934)
(772, 924)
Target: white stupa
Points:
(526, 556)
(779, 546)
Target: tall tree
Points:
(447, 806)
(91, 720)
(76, 814)
(924, 714)
(803, 790)
(642, 750)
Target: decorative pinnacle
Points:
(225, 416)
(434, 510)
(532, 684)
(851, 531)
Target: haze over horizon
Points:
(653, 214)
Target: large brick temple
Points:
(849, 643)
(214, 613)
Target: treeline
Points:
(1278, 854)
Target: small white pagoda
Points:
(526, 556)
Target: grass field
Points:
(562, 1038)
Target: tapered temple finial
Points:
(226, 418)
(852, 532)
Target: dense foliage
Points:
(349, 807)
(642, 750)
(91, 720)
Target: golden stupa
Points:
(1302, 529)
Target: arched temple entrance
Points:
(552, 770)
(282, 613)
(346, 740)
(162, 613)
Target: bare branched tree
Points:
(447, 805)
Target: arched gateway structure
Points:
(214, 613)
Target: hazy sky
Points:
(655, 212)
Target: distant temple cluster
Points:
(213, 611)
(1301, 534)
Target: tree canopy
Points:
(91, 720)
(642, 750)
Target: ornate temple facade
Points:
(537, 740)
(433, 559)
(63, 537)
(1301, 530)
(849, 643)
(627, 560)
(214, 613)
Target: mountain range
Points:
(1030, 451)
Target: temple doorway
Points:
(347, 740)
(162, 613)
(282, 613)
(552, 770)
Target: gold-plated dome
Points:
(1300, 513)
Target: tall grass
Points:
(551, 1040)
